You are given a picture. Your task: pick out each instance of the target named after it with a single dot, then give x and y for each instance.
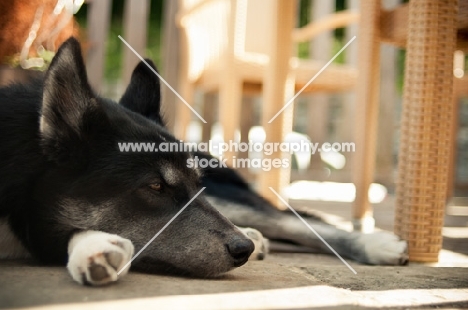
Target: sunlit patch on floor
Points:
(331, 191)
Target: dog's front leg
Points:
(262, 245)
(95, 257)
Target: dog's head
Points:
(94, 185)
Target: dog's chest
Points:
(10, 246)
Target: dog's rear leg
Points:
(95, 257)
(382, 248)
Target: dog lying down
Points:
(69, 196)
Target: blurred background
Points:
(332, 116)
(232, 61)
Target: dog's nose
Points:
(240, 250)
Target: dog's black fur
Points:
(62, 173)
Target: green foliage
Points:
(114, 47)
(305, 7)
(401, 54)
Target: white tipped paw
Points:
(96, 258)
(384, 248)
(262, 246)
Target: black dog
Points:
(68, 195)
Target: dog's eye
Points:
(156, 186)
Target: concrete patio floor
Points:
(282, 281)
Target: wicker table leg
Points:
(425, 129)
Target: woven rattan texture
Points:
(425, 129)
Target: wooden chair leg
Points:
(186, 91)
(274, 88)
(209, 109)
(230, 100)
(184, 114)
(230, 89)
(386, 128)
(318, 106)
(367, 97)
(246, 122)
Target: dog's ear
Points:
(67, 98)
(143, 94)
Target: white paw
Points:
(384, 248)
(96, 257)
(262, 246)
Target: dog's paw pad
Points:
(261, 244)
(384, 248)
(96, 258)
(98, 267)
(114, 259)
(98, 273)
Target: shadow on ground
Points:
(296, 281)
